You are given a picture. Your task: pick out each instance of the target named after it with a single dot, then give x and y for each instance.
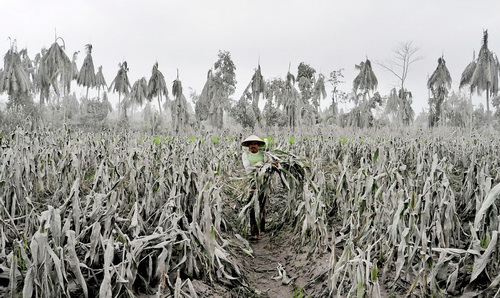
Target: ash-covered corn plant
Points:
(424, 210)
(99, 215)
(104, 215)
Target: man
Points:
(254, 157)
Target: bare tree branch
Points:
(404, 58)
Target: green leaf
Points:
(375, 155)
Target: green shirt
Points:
(250, 159)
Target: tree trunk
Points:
(119, 105)
(487, 101)
(64, 108)
(471, 110)
(159, 99)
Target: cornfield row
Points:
(95, 214)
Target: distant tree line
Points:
(290, 101)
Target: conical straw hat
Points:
(252, 139)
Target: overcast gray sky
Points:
(326, 34)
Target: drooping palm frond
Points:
(139, 91)
(179, 106)
(121, 84)
(42, 80)
(86, 76)
(275, 91)
(157, 85)
(319, 91)
(258, 85)
(56, 60)
(467, 74)
(14, 79)
(366, 80)
(203, 103)
(441, 76)
(482, 75)
(177, 87)
(393, 100)
(55, 66)
(70, 74)
(438, 83)
(27, 63)
(485, 75)
(252, 92)
(440, 80)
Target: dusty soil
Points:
(277, 269)
(262, 269)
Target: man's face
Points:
(254, 147)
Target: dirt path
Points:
(263, 271)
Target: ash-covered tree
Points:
(86, 76)
(361, 115)
(482, 75)
(243, 111)
(14, 79)
(305, 82)
(256, 87)
(335, 79)
(399, 66)
(439, 83)
(157, 86)
(121, 84)
(291, 101)
(28, 64)
(224, 84)
(319, 92)
(180, 116)
(139, 93)
(456, 111)
(202, 101)
(56, 68)
(53, 69)
(275, 97)
(365, 81)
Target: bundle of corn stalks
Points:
(303, 205)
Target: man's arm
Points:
(246, 162)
